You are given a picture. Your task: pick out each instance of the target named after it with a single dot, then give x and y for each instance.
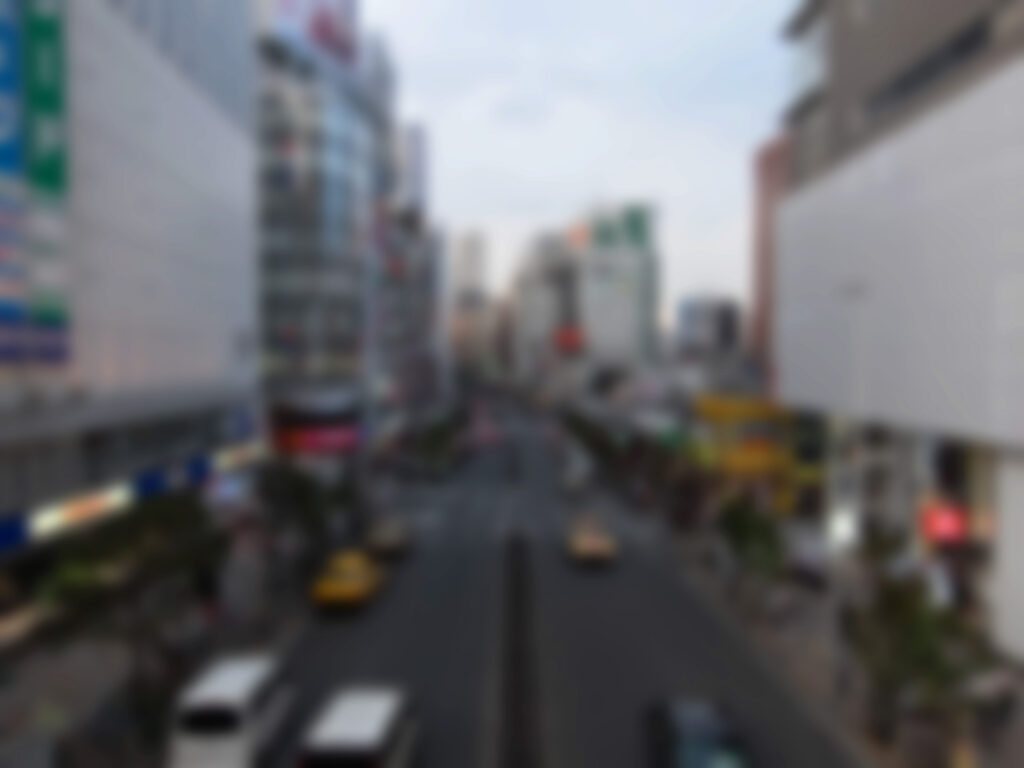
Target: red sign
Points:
(568, 339)
(943, 523)
(318, 440)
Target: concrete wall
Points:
(162, 225)
(900, 279)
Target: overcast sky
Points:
(538, 110)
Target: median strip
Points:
(520, 728)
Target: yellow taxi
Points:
(588, 541)
(350, 579)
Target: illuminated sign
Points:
(318, 440)
(943, 523)
(240, 456)
(55, 519)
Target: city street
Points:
(607, 643)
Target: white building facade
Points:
(589, 300)
(900, 290)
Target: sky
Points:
(541, 110)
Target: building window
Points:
(955, 52)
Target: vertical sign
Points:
(46, 170)
(12, 258)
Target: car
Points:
(229, 714)
(351, 578)
(360, 727)
(588, 541)
(695, 733)
(389, 537)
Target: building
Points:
(128, 330)
(587, 300)
(409, 286)
(537, 310)
(412, 193)
(899, 286)
(771, 181)
(470, 303)
(324, 113)
(708, 326)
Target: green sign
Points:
(46, 98)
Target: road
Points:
(607, 643)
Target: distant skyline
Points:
(539, 112)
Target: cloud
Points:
(539, 111)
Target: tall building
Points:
(771, 181)
(323, 112)
(588, 299)
(470, 303)
(412, 193)
(899, 284)
(408, 289)
(128, 331)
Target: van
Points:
(369, 727)
(229, 714)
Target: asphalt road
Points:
(607, 643)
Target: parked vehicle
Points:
(229, 714)
(362, 727)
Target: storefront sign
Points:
(318, 440)
(943, 523)
(64, 517)
(13, 534)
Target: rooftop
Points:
(228, 682)
(357, 718)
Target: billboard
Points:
(13, 276)
(11, 144)
(46, 173)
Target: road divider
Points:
(520, 726)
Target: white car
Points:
(229, 714)
(360, 727)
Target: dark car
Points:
(693, 733)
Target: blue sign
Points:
(13, 533)
(11, 133)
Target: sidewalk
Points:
(797, 648)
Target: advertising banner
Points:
(12, 257)
(45, 99)
(46, 170)
(11, 145)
